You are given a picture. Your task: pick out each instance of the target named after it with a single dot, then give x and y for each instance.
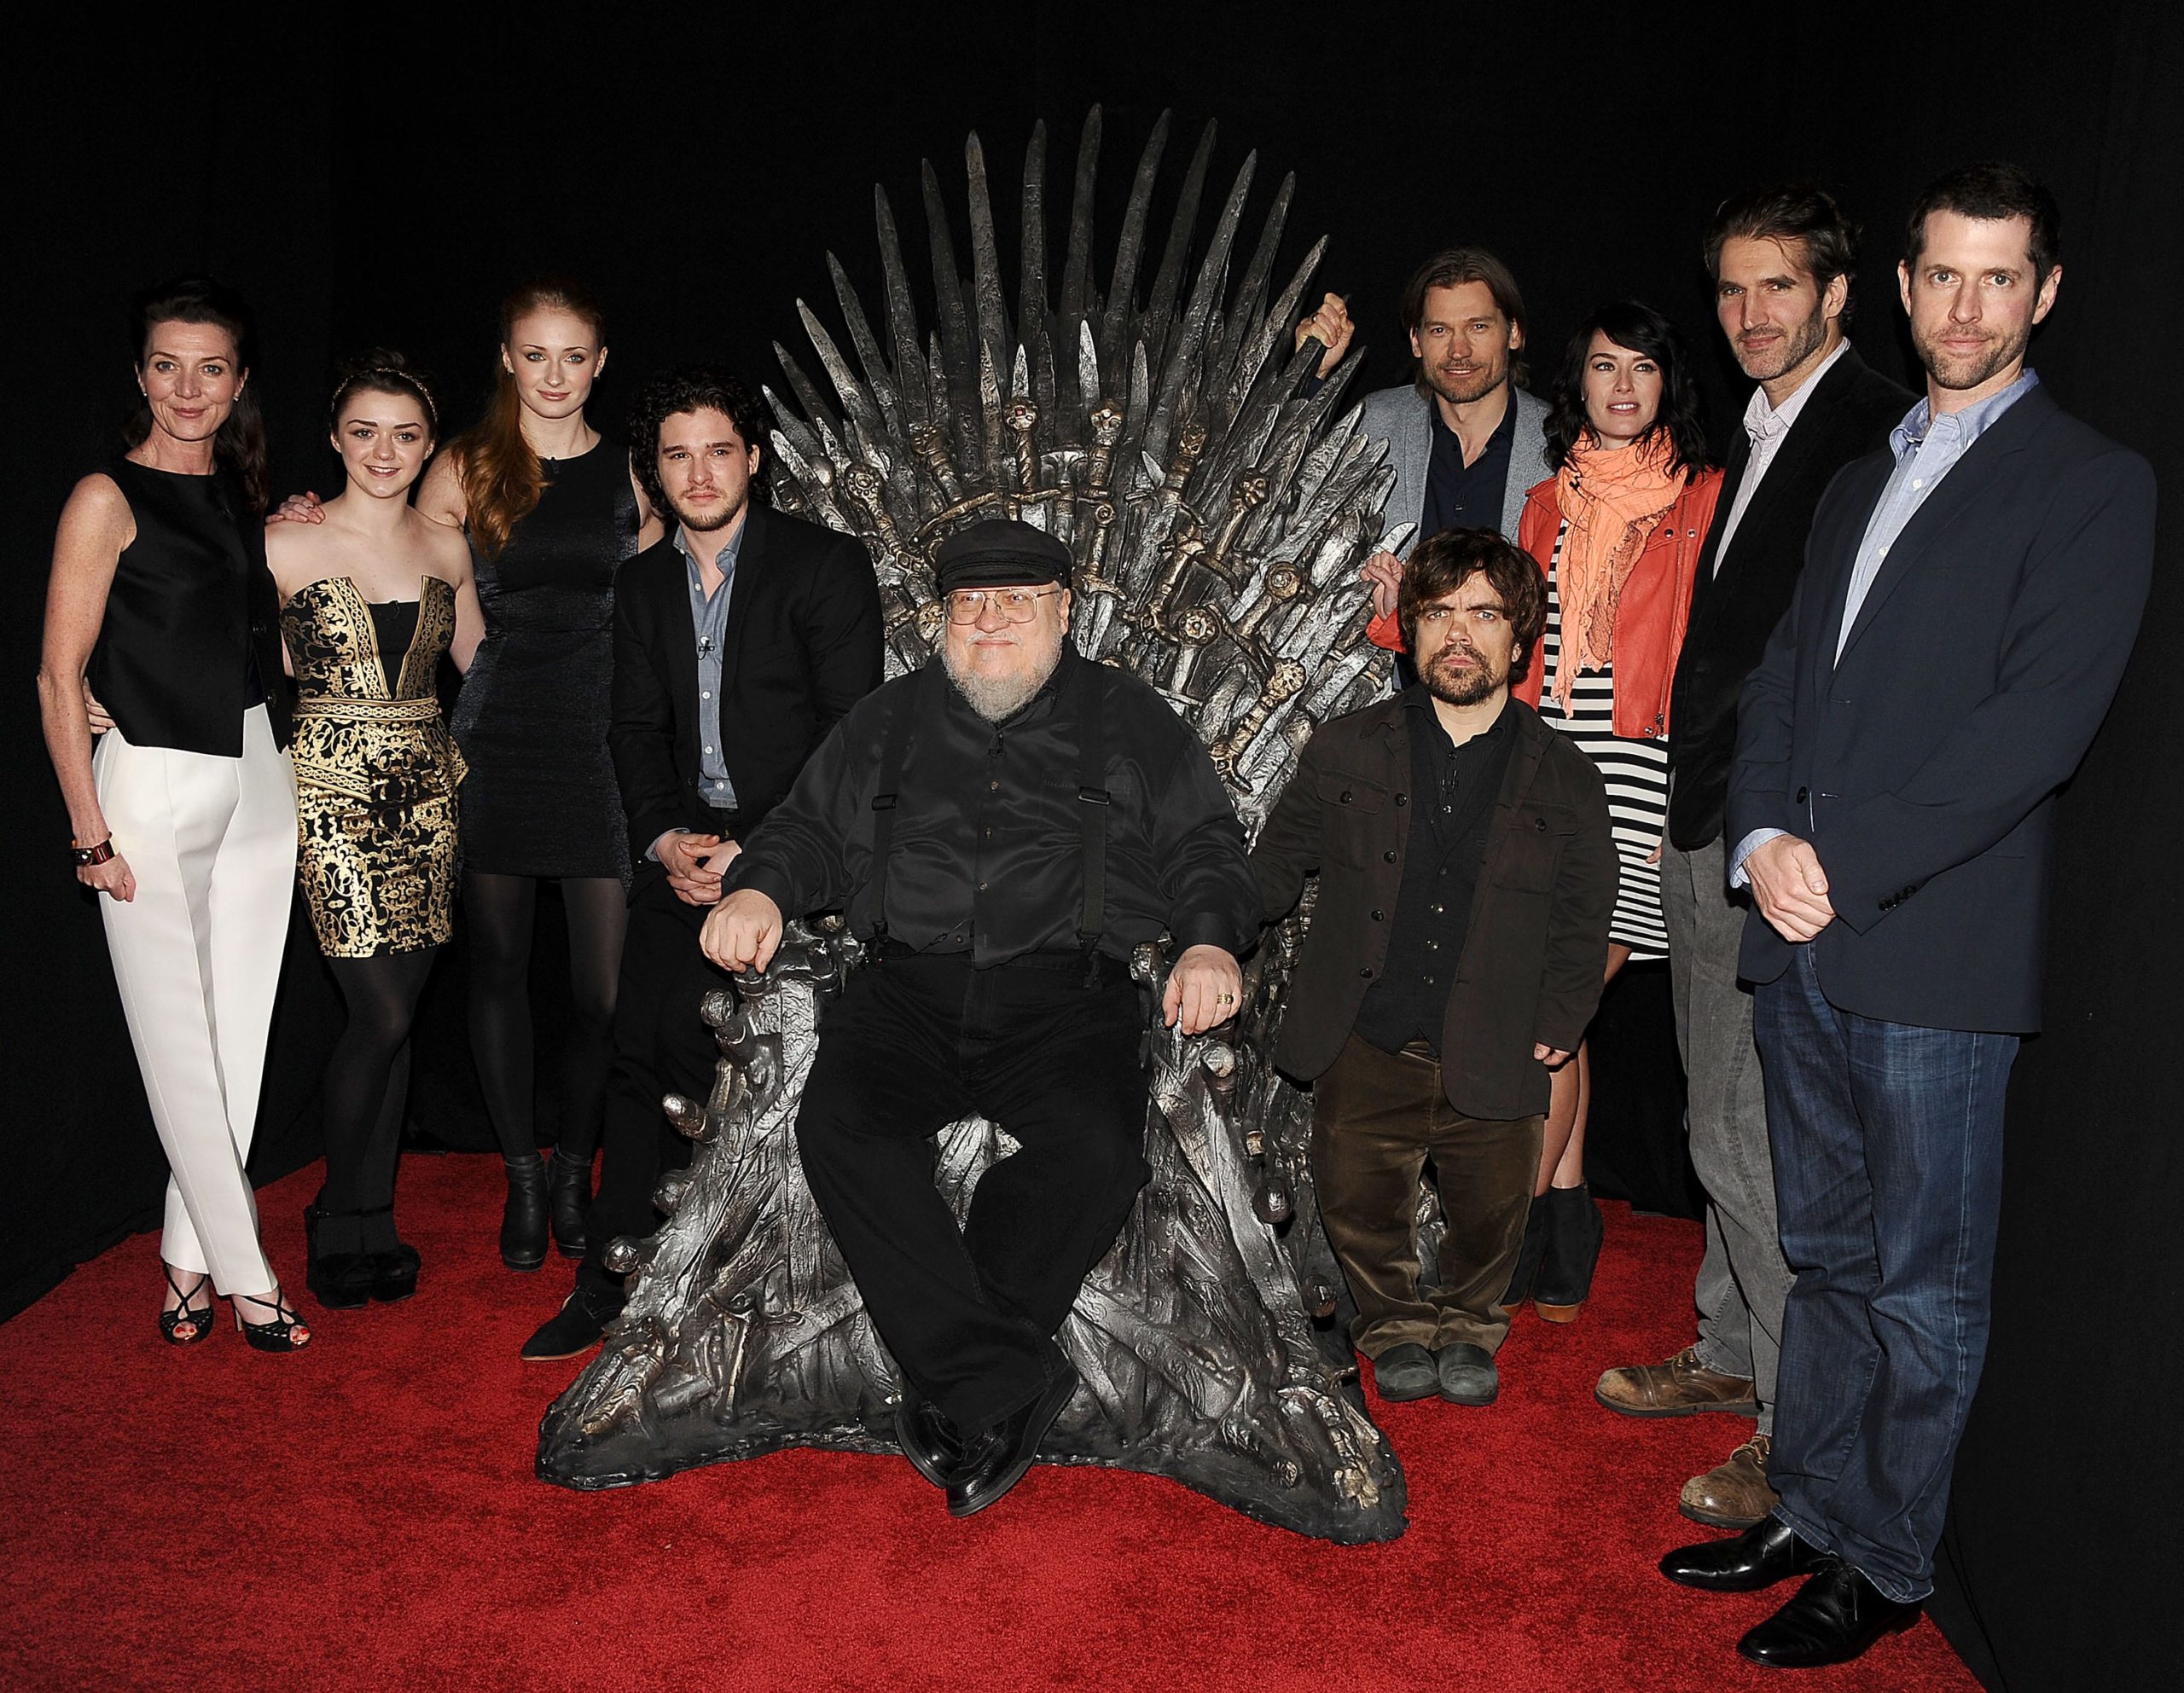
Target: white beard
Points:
(994, 697)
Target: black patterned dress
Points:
(376, 771)
(542, 798)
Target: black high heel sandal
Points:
(340, 1281)
(198, 1322)
(394, 1271)
(283, 1332)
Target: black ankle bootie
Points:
(571, 1183)
(523, 1223)
(1527, 1270)
(340, 1277)
(1564, 1277)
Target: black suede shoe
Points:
(996, 1459)
(929, 1442)
(523, 1220)
(1769, 1551)
(575, 1328)
(1466, 1374)
(1572, 1249)
(571, 1180)
(1406, 1372)
(1835, 1616)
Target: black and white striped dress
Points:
(1636, 770)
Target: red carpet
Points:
(363, 1514)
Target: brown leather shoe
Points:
(1734, 1493)
(1682, 1387)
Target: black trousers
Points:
(918, 1042)
(661, 1046)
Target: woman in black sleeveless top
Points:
(184, 819)
(552, 512)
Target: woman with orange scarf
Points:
(1617, 530)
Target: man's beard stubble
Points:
(1796, 347)
(716, 520)
(994, 697)
(1957, 373)
(1473, 385)
(1474, 685)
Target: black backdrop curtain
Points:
(365, 190)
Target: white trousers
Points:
(212, 842)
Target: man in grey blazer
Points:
(1464, 439)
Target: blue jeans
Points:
(1888, 1177)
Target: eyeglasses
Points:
(1017, 605)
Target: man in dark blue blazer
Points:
(1969, 600)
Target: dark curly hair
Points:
(698, 387)
(1638, 327)
(1447, 560)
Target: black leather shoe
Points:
(1466, 1374)
(1835, 1616)
(996, 1459)
(929, 1442)
(571, 1180)
(575, 1328)
(1406, 1372)
(1765, 1553)
(523, 1220)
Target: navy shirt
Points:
(1459, 496)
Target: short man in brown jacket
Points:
(1466, 877)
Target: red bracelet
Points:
(85, 856)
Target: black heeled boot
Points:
(1527, 1270)
(571, 1184)
(1564, 1277)
(339, 1276)
(523, 1222)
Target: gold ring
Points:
(1227, 999)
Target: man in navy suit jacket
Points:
(1969, 599)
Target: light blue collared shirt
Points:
(710, 618)
(1926, 449)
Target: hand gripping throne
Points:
(1217, 522)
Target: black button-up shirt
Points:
(1459, 495)
(1453, 808)
(987, 855)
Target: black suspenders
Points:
(1092, 797)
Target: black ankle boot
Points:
(523, 1223)
(571, 1182)
(1535, 1242)
(1564, 1277)
(339, 1276)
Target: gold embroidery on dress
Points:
(376, 772)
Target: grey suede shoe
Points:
(1406, 1372)
(1466, 1374)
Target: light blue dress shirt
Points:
(709, 616)
(1926, 449)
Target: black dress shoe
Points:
(929, 1442)
(523, 1220)
(1765, 1553)
(1406, 1372)
(997, 1458)
(1835, 1616)
(575, 1328)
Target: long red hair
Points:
(501, 478)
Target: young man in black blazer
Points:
(1782, 259)
(740, 640)
(1969, 598)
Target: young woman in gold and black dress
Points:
(373, 598)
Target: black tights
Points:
(366, 1090)
(501, 909)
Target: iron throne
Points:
(1217, 521)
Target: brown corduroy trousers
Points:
(1379, 1116)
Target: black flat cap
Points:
(1000, 553)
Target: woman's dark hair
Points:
(501, 478)
(1442, 564)
(1826, 241)
(1994, 192)
(383, 371)
(697, 387)
(1641, 329)
(240, 447)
